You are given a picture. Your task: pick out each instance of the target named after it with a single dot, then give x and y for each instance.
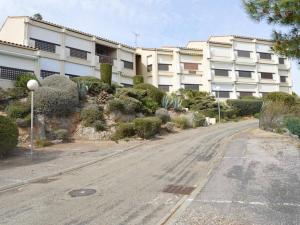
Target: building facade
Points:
(233, 66)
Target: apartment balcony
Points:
(284, 66)
(106, 59)
(221, 58)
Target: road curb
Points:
(70, 169)
(183, 203)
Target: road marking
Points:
(244, 202)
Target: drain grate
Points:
(82, 192)
(178, 189)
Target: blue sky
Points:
(159, 22)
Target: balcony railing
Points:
(105, 59)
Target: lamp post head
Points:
(32, 85)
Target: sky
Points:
(158, 22)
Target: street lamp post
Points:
(32, 85)
(218, 99)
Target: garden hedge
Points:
(245, 107)
(8, 135)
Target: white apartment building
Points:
(234, 66)
(70, 52)
(243, 66)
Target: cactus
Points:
(82, 90)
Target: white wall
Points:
(45, 35)
(244, 46)
(190, 59)
(190, 79)
(263, 48)
(76, 69)
(223, 87)
(246, 87)
(79, 43)
(13, 30)
(127, 56)
(17, 62)
(164, 59)
(50, 65)
(220, 52)
(268, 87)
(165, 80)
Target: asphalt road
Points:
(124, 189)
(257, 183)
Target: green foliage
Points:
(198, 120)
(147, 127)
(58, 95)
(138, 79)
(181, 122)
(115, 105)
(99, 125)
(82, 90)
(131, 92)
(61, 134)
(93, 85)
(90, 115)
(293, 125)
(17, 93)
(8, 135)
(24, 122)
(245, 107)
(152, 92)
(124, 130)
(41, 142)
(166, 102)
(106, 73)
(150, 105)
(279, 12)
(287, 99)
(131, 105)
(18, 110)
(22, 79)
(163, 114)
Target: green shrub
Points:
(17, 93)
(39, 142)
(22, 79)
(58, 95)
(18, 110)
(150, 104)
(147, 127)
(181, 122)
(90, 115)
(131, 92)
(245, 107)
(8, 135)
(106, 73)
(198, 120)
(61, 134)
(131, 105)
(287, 99)
(293, 125)
(99, 125)
(93, 85)
(116, 105)
(124, 130)
(163, 114)
(24, 122)
(152, 92)
(138, 79)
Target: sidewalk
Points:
(21, 168)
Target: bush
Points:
(147, 127)
(150, 105)
(124, 130)
(90, 115)
(287, 99)
(152, 92)
(293, 125)
(138, 79)
(8, 135)
(94, 86)
(245, 107)
(18, 110)
(131, 105)
(169, 126)
(24, 122)
(61, 134)
(22, 79)
(116, 105)
(42, 142)
(131, 92)
(57, 96)
(181, 122)
(198, 120)
(17, 93)
(106, 73)
(99, 125)
(163, 114)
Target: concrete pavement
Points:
(128, 188)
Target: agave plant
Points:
(166, 102)
(176, 103)
(82, 90)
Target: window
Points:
(44, 45)
(77, 53)
(192, 87)
(165, 88)
(128, 65)
(245, 54)
(263, 55)
(71, 75)
(266, 75)
(11, 73)
(220, 72)
(46, 73)
(283, 79)
(223, 94)
(163, 67)
(245, 93)
(246, 74)
(126, 85)
(281, 60)
(149, 68)
(190, 66)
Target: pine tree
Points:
(279, 12)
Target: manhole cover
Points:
(178, 189)
(81, 192)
